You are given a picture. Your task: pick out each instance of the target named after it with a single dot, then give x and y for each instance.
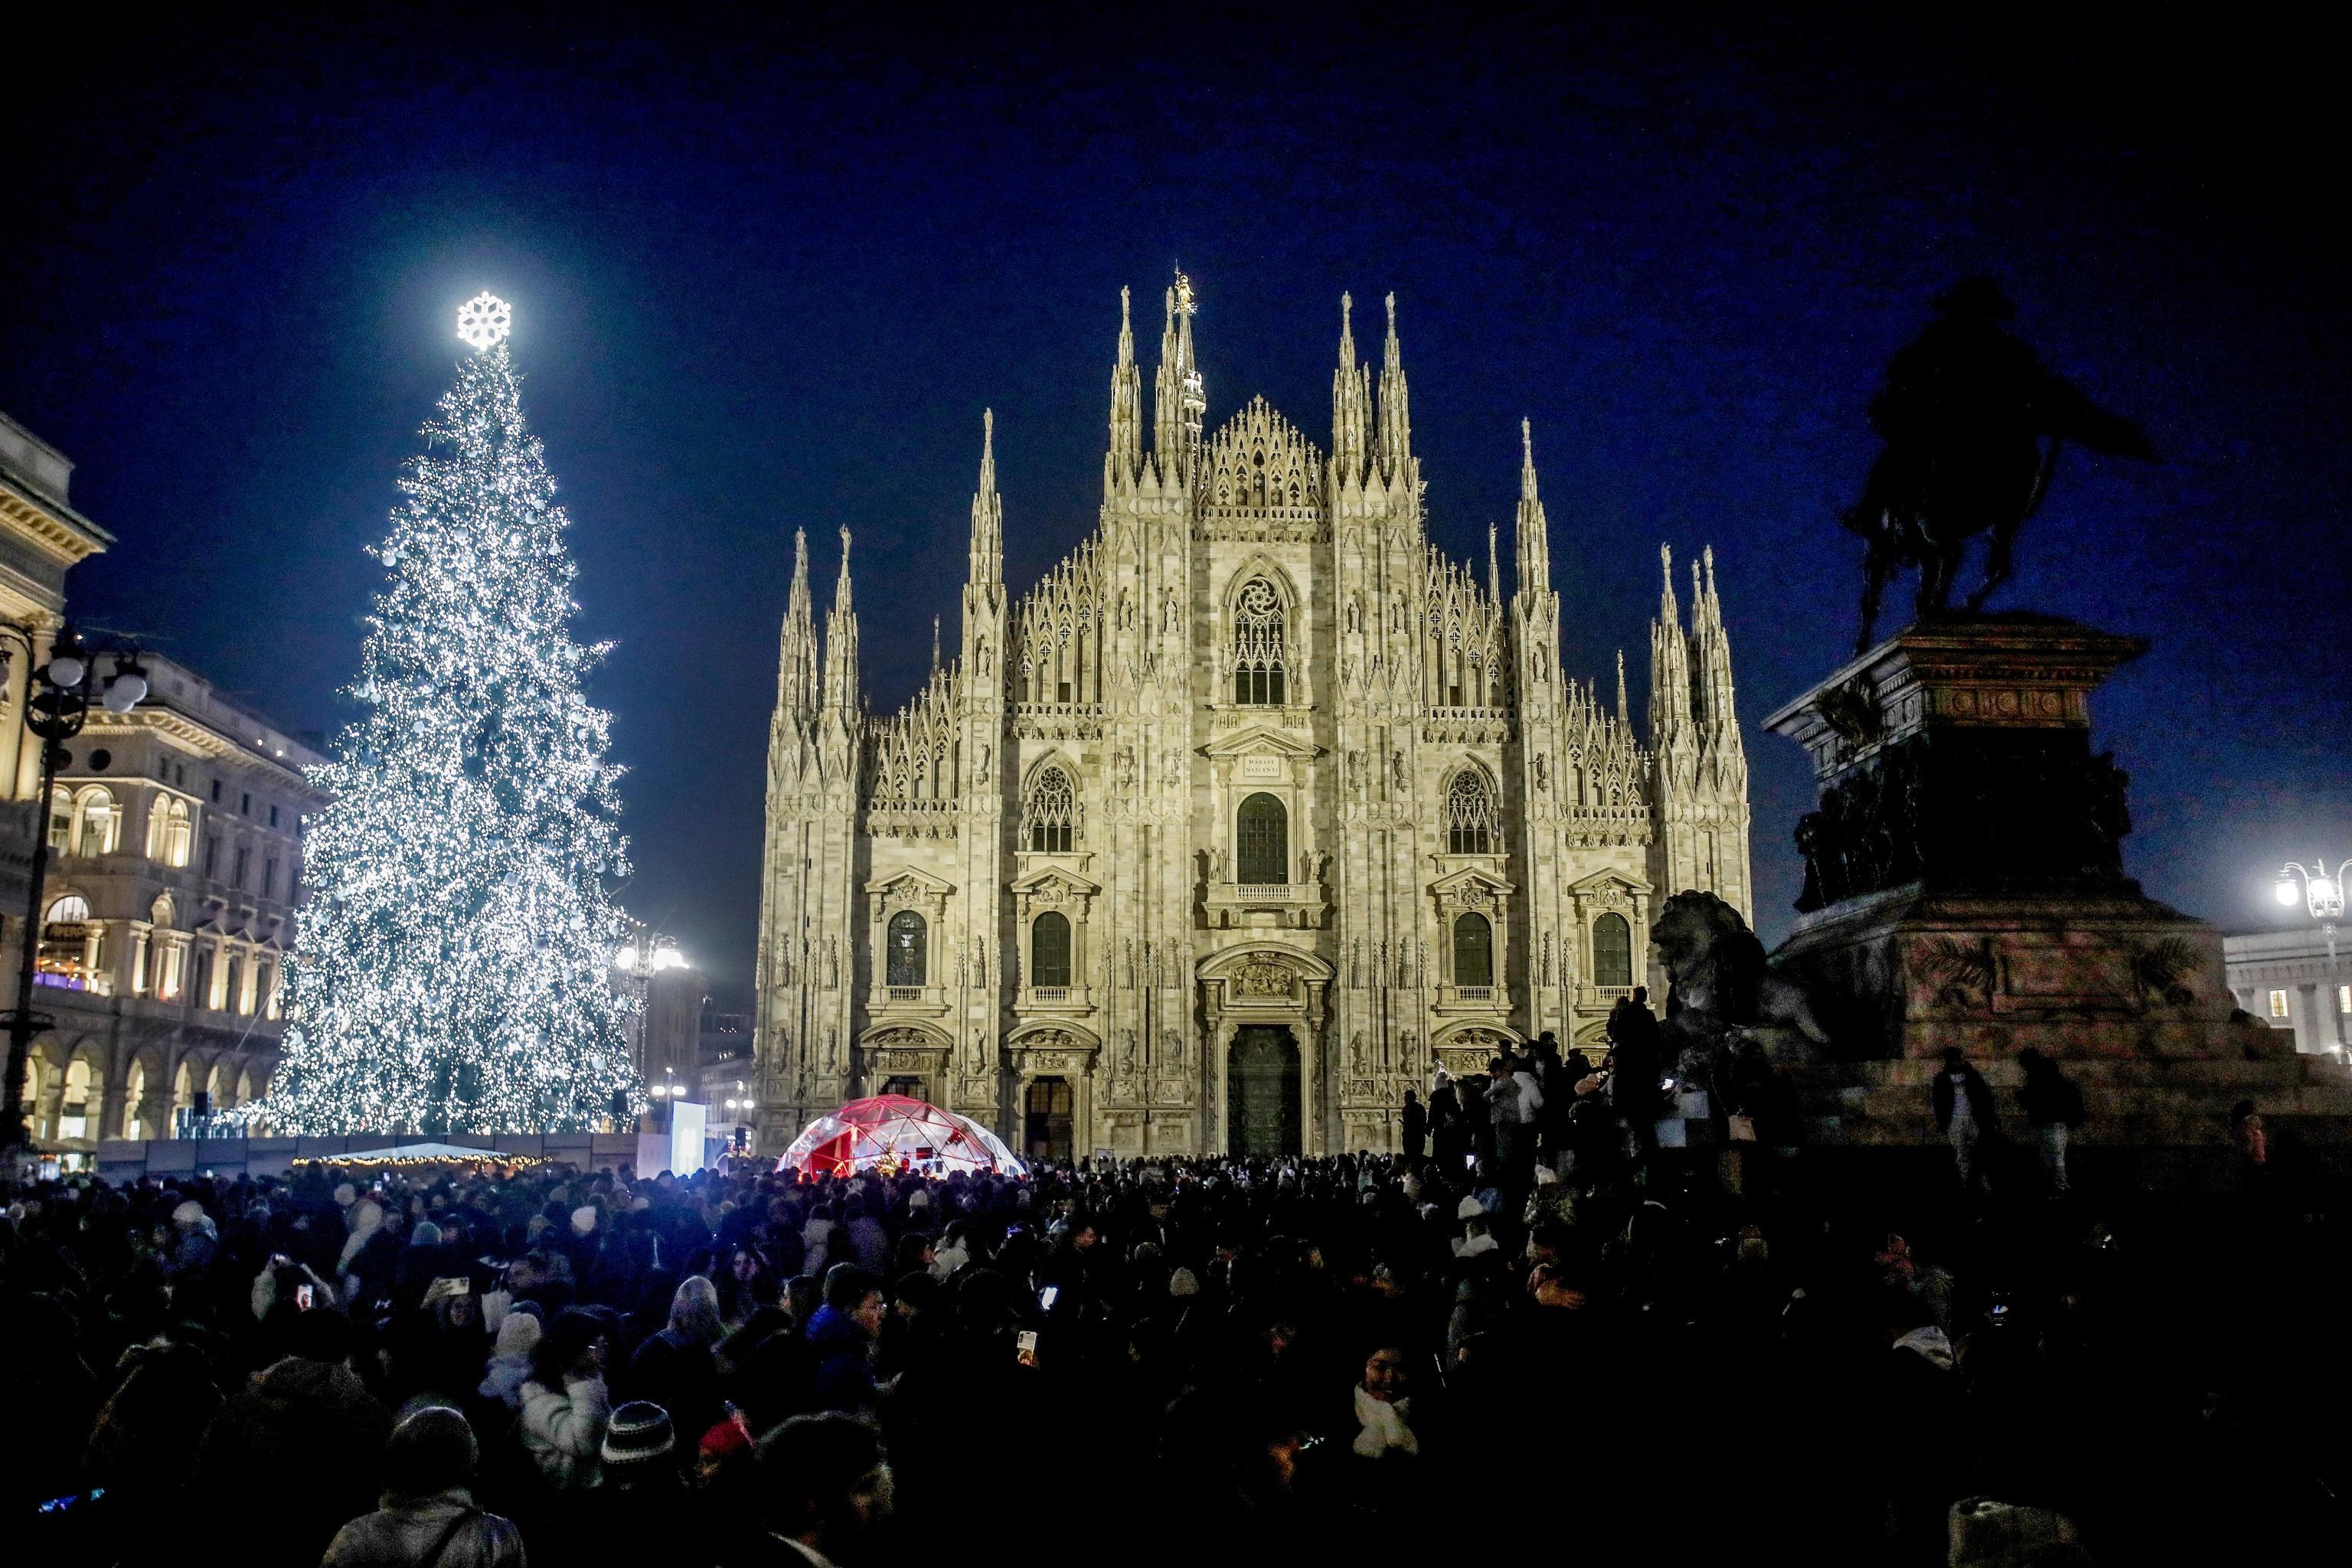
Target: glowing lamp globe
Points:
(2286, 890)
(2326, 898)
(626, 959)
(67, 669)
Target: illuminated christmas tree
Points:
(451, 967)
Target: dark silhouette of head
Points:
(1975, 300)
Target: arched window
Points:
(1258, 659)
(1262, 841)
(61, 818)
(1473, 950)
(134, 1095)
(1049, 949)
(1470, 822)
(167, 831)
(73, 1107)
(908, 941)
(98, 822)
(1612, 951)
(1052, 812)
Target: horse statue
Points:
(1972, 426)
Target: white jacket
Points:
(564, 1433)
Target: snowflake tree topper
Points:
(484, 319)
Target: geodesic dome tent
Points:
(916, 1135)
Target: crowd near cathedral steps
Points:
(1252, 814)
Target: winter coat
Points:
(871, 1243)
(679, 1375)
(1416, 1129)
(2051, 1098)
(845, 1361)
(314, 1430)
(403, 1531)
(565, 1432)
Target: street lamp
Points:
(57, 695)
(2321, 892)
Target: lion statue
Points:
(1719, 987)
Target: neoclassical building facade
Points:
(1250, 813)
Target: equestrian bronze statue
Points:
(1973, 426)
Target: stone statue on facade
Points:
(1972, 426)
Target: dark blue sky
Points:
(767, 273)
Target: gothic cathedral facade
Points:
(1252, 812)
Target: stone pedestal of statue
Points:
(1965, 888)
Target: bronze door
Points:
(1262, 1092)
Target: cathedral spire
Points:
(1670, 686)
(1126, 406)
(1351, 404)
(1711, 654)
(841, 643)
(987, 564)
(1624, 715)
(935, 645)
(1396, 419)
(1192, 395)
(796, 689)
(1494, 568)
(1534, 541)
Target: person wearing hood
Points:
(564, 1405)
(194, 1244)
(510, 1364)
(426, 1517)
(300, 1423)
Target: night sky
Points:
(766, 274)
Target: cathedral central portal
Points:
(1256, 808)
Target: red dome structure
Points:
(911, 1133)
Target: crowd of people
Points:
(1531, 1329)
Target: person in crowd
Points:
(674, 1368)
(1414, 1125)
(842, 1339)
(511, 1360)
(427, 1517)
(300, 1421)
(825, 1490)
(633, 1515)
(2052, 1104)
(1962, 1101)
(1507, 1107)
(564, 1403)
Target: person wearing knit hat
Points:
(583, 1219)
(1183, 1282)
(633, 1514)
(639, 1432)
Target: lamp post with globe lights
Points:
(635, 966)
(58, 699)
(2321, 893)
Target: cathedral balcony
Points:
(1492, 1001)
(1057, 721)
(912, 819)
(1299, 906)
(907, 1002)
(1060, 1001)
(1465, 726)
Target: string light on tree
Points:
(450, 969)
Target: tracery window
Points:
(1049, 949)
(1471, 828)
(907, 940)
(1473, 950)
(1613, 951)
(1052, 812)
(1262, 841)
(1258, 652)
